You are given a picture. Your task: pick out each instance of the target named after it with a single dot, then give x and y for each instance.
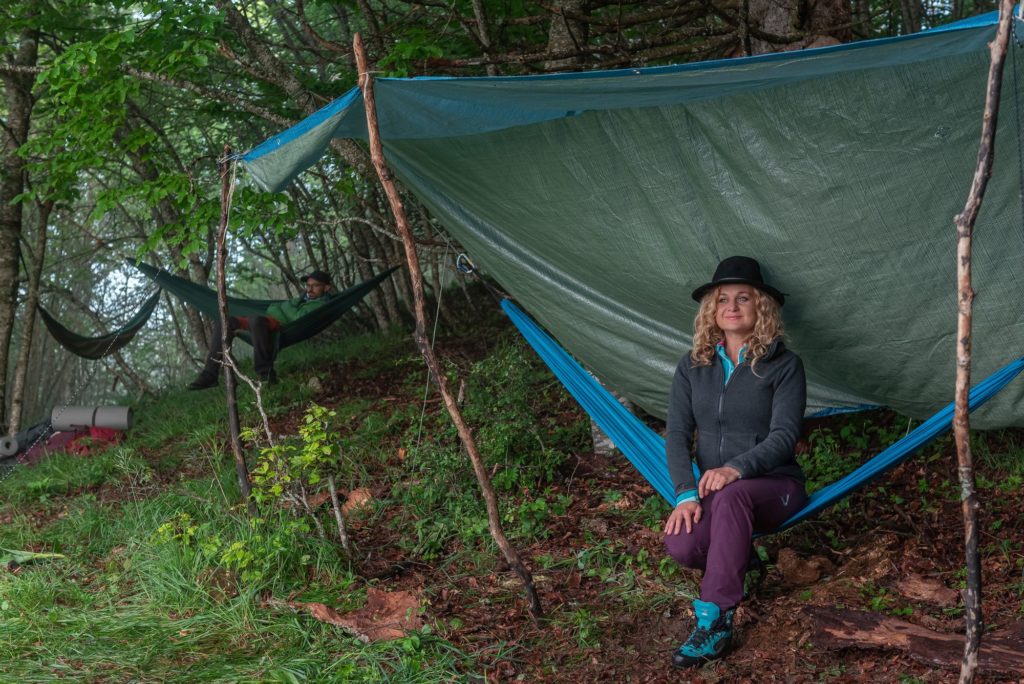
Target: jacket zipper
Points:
(721, 403)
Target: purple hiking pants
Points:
(720, 543)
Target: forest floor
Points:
(164, 580)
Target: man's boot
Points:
(203, 381)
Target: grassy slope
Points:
(150, 589)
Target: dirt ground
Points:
(893, 556)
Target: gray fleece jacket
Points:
(751, 424)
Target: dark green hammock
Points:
(98, 347)
(205, 299)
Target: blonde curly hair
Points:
(707, 334)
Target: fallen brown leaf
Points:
(357, 499)
(919, 588)
(386, 615)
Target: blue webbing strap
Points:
(901, 450)
(645, 449)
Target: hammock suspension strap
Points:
(645, 449)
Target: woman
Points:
(743, 394)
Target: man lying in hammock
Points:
(262, 330)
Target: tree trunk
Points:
(483, 34)
(374, 301)
(802, 26)
(18, 94)
(387, 291)
(862, 27)
(28, 323)
(913, 15)
(565, 34)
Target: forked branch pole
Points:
(227, 190)
(961, 418)
(416, 276)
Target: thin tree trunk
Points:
(363, 257)
(961, 417)
(227, 189)
(387, 292)
(483, 34)
(339, 518)
(416, 275)
(28, 323)
(18, 96)
(179, 334)
(862, 19)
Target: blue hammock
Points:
(645, 449)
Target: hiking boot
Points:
(203, 381)
(711, 639)
(269, 378)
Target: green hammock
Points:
(205, 299)
(98, 347)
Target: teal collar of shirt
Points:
(727, 365)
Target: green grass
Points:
(165, 580)
(124, 605)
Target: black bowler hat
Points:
(739, 270)
(319, 276)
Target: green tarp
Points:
(600, 200)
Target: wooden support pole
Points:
(227, 189)
(416, 276)
(961, 417)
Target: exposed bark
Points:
(841, 628)
(961, 417)
(18, 94)
(783, 25)
(416, 275)
(226, 168)
(28, 322)
(566, 34)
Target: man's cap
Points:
(319, 276)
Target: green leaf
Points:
(8, 556)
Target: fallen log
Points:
(1002, 651)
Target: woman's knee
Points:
(682, 548)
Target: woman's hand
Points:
(715, 479)
(684, 516)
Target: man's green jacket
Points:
(292, 309)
